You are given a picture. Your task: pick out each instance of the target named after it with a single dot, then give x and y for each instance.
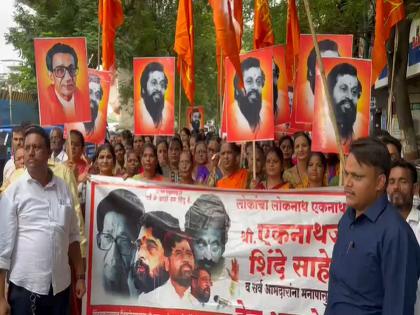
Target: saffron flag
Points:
(263, 28)
(184, 47)
(111, 16)
(226, 36)
(292, 40)
(388, 13)
(238, 25)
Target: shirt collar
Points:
(414, 215)
(373, 212)
(28, 178)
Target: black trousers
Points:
(24, 302)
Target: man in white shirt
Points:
(402, 187)
(17, 142)
(58, 154)
(179, 262)
(39, 233)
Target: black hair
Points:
(18, 129)
(39, 131)
(110, 148)
(63, 49)
(388, 139)
(286, 137)
(170, 240)
(372, 152)
(124, 202)
(151, 67)
(342, 69)
(77, 133)
(196, 273)
(175, 139)
(277, 152)
(302, 134)
(324, 45)
(322, 158)
(160, 222)
(408, 166)
(150, 146)
(248, 63)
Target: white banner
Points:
(161, 249)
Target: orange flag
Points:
(292, 40)
(263, 28)
(388, 13)
(184, 47)
(226, 36)
(111, 16)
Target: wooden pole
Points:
(326, 90)
(391, 84)
(179, 100)
(221, 105)
(254, 166)
(99, 44)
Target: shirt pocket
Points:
(61, 215)
(360, 269)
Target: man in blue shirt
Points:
(376, 260)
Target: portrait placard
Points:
(348, 81)
(329, 46)
(154, 96)
(62, 80)
(250, 115)
(99, 87)
(281, 103)
(195, 117)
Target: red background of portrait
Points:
(323, 138)
(98, 136)
(303, 109)
(266, 131)
(140, 127)
(284, 109)
(42, 45)
(189, 111)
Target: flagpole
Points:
(391, 84)
(326, 90)
(254, 166)
(221, 105)
(180, 94)
(99, 42)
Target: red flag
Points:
(111, 16)
(388, 13)
(184, 47)
(263, 28)
(226, 36)
(292, 40)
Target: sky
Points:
(6, 21)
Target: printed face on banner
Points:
(195, 118)
(281, 95)
(221, 252)
(349, 85)
(62, 79)
(329, 46)
(99, 87)
(250, 110)
(154, 96)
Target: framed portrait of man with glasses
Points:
(62, 79)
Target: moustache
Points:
(207, 263)
(141, 268)
(346, 106)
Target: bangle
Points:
(80, 277)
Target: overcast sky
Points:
(6, 21)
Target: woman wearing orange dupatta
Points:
(235, 177)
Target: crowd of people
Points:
(185, 158)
